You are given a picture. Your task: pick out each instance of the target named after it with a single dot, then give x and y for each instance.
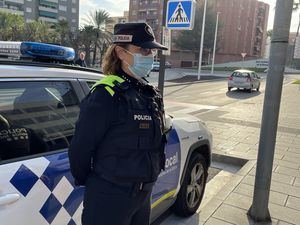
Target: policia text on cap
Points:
(117, 151)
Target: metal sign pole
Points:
(259, 210)
(162, 64)
(215, 44)
(201, 42)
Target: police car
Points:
(39, 104)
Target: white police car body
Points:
(38, 188)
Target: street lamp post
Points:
(215, 44)
(202, 39)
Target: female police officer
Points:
(117, 151)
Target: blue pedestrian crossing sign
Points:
(180, 14)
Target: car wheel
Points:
(257, 89)
(250, 90)
(229, 88)
(192, 188)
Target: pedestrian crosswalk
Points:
(179, 108)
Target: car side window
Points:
(36, 117)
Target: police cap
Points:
(139, 34)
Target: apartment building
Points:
(243, 29)
(117, 19)
(45, 10)
(149, 11)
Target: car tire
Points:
(250, 90)
(192, 188)
(257, 89)
(229, 88)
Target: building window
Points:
(143, 13)
(74, 1)
(48, 14)
(62, 18)
(62, 8)
(74, 10)
(48, 4)
(74, 20)
(134, 12)
(28, 9)
(14, 8)
(134, 2)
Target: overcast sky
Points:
(116, 8)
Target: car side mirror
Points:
(168, 125)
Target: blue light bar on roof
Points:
(47, 51)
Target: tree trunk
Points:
(88, 56)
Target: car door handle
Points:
(9, 199)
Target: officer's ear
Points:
(120, 52)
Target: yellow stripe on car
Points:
(166, 196)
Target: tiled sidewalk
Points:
(236, 133)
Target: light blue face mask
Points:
(142, 65)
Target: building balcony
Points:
(47, 19)
(18, 12)
(47, 9)
(148, 6)
(54, 1)
(15, 1)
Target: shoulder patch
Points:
(109, 83)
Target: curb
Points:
(193, 82)
(231, 160)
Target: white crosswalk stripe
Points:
(186, 108)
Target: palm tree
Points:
(31, 31)
(11, 27)
(75, 40)
(39, 31)
(62, 28)
(87, 37)
(98, 20)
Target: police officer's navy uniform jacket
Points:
(118, 143)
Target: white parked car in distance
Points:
(244, 79)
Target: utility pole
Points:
(259, 211)
(202, 39)
(215, 44)
(162, 63)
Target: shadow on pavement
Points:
(242, 94)
(190, 78)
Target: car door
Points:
(168, 180)
(36, 186)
